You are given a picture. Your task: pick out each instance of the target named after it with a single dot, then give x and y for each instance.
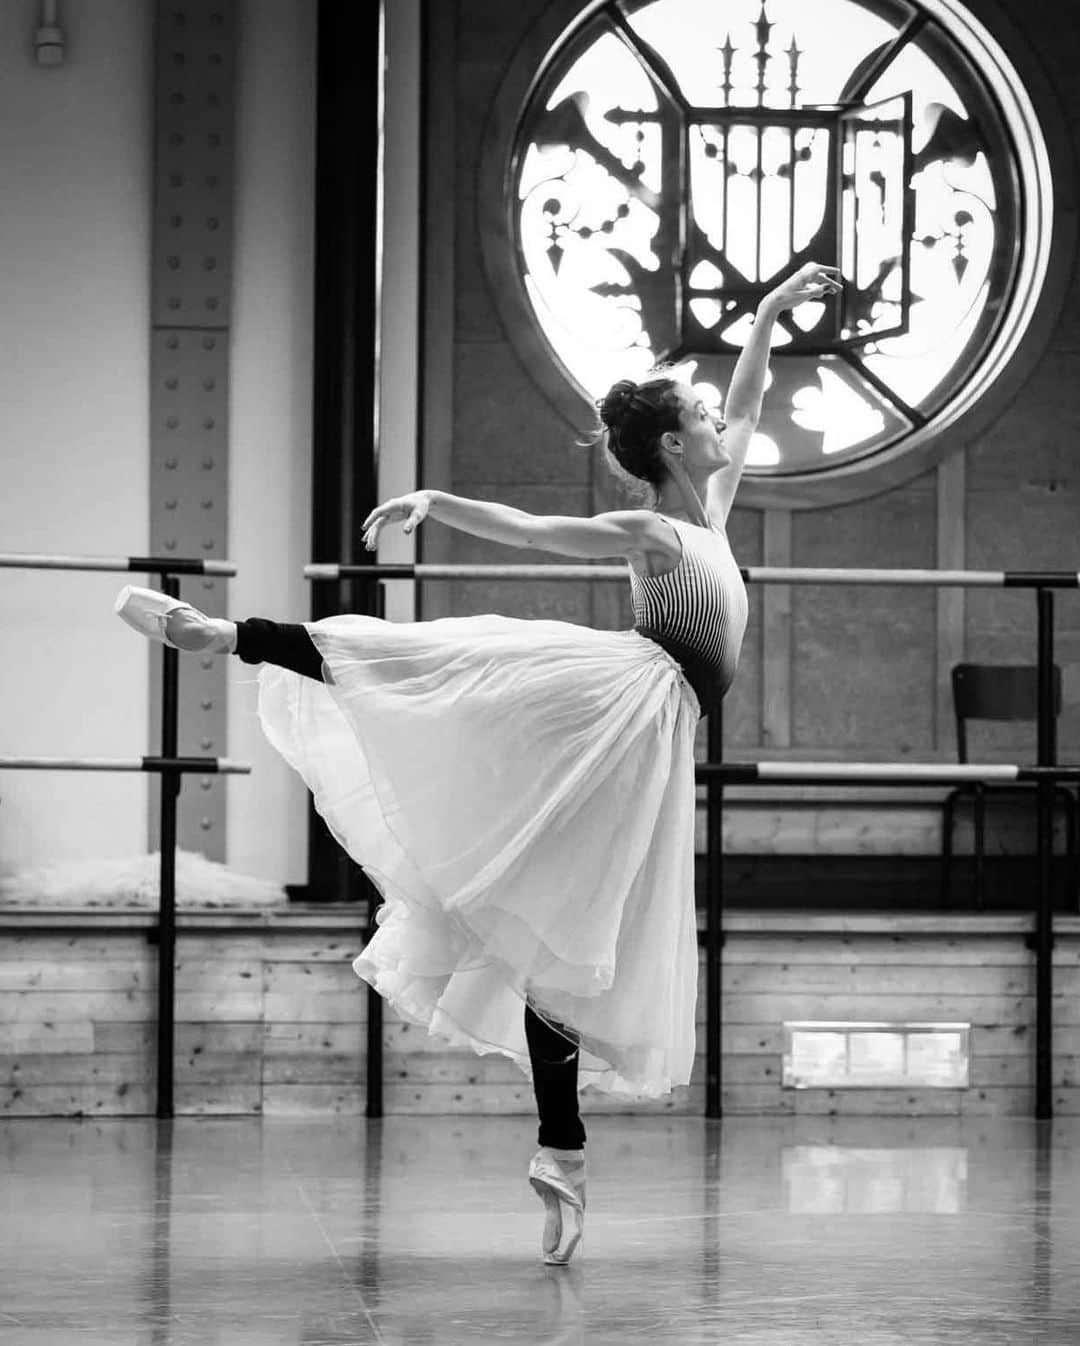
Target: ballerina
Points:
(522, 792)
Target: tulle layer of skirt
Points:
(522, 794)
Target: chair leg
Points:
(1070, 845)
(980, 844)
(948, 821)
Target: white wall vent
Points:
(876, 1055)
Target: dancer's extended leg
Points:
(256, 640)
(557, 1170)
(259, 641)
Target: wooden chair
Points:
(997, 692)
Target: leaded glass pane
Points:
(681, 157)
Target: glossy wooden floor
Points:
(798, 1230)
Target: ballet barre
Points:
(222, 766)
(936, 579)
(142, 565)
(879, 773)
(170, 765)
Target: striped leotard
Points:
(696, 611)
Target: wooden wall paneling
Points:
(314, 1033)
(310, 1100)
(274, 1021)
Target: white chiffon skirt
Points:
(522, 794)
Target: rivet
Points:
(205, 783)
(209, 263)
(208, 662)
(173, 263)
(206, 824)
(212, 180)
(209, 385)
(208, 423)
(212, 304)
(170, 544)
(170, 463)
(206, 703)
(208, 584)
(207, 744)
(172, 384)
(172, 422)
(207, 463)
(176, 221)
(171, 343)
(208, 343)
(170, 504)
(208, 504)
(208, 544)
(174, 303)
(213, 222)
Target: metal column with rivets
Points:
(191, 270)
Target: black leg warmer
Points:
(259, 641)
(555, 1078)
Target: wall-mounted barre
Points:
(144, 565)
(222, 766)
(879, 773)
(969, 579)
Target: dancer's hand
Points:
(412, 508)
(812, 281)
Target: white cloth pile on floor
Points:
(134, 882)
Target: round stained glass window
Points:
(676, 159)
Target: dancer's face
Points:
(701, 432)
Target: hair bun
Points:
(614, 406)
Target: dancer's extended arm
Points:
(742, 408)
(618, 533)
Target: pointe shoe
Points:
(148, 611)
(564, 1202)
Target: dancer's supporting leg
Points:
(554, 1058)
(557, 1171)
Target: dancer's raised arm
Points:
(618, 533)
(742, 408)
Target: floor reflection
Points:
(414, 1230)
(837, 1180)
